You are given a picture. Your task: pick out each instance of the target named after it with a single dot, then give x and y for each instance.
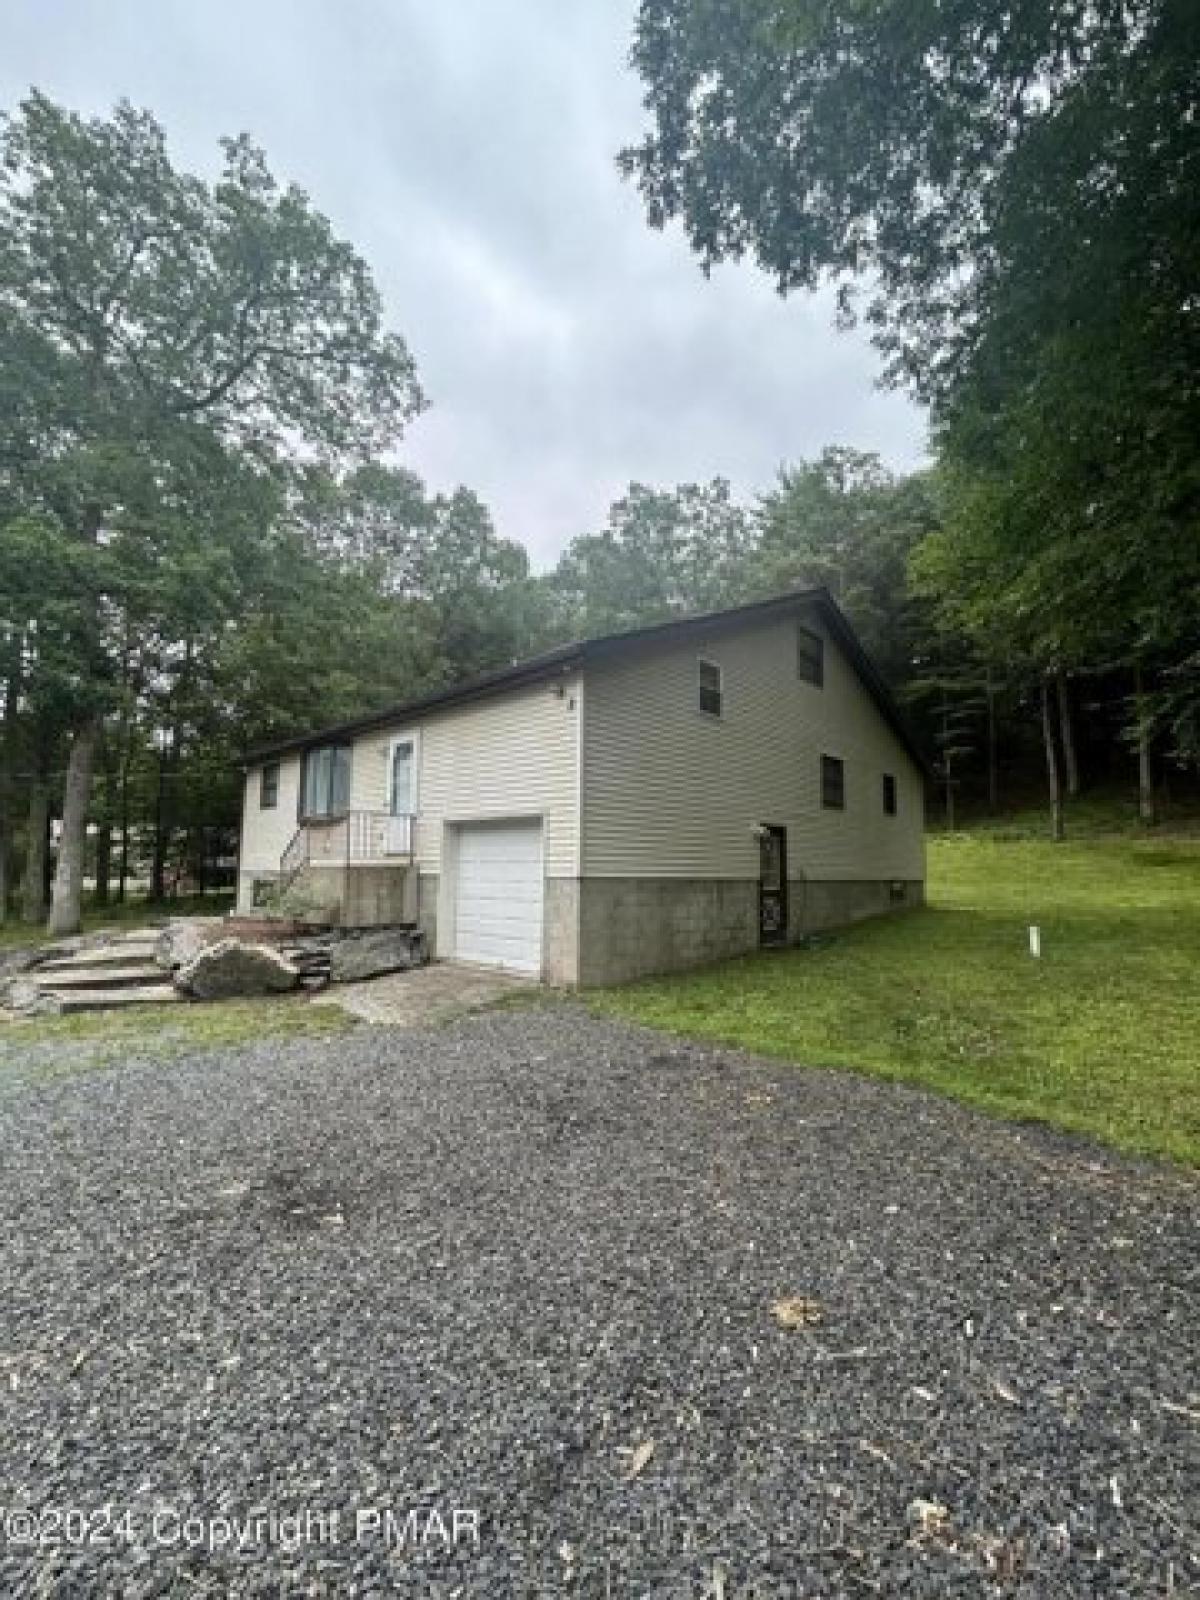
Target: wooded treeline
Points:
(205, 539)
(1009, 198)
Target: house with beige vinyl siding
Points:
(634, 804)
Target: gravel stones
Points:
(485, 1267)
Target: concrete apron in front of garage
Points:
(425, 996)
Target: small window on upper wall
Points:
(889, 794)
(268, 786)
(833, 783)
(810, 656)
(712, 694)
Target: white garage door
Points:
(498, 899)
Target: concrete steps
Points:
(103, 958)
(122, 973)
(160, 994)
(110, 976)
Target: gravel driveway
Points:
(522, 1269)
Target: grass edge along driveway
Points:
(1099, 1037)
(49, 1047)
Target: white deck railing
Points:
(355, 838)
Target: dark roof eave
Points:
(458, 694)
(555, 662)
(879, 690)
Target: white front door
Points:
(498, 895)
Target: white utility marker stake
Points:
(1035, 940)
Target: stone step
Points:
(105, 999)
(136, 974)
(107, 956)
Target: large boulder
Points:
(27, 999)
(180, 942)
(23, 959)
(369, 955)
(230, 969)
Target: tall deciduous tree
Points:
(439, 556)
(1014, 195)
(844, 521)
(663, 553)
(147, 318)
(925, 149)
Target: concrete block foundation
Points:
(814, 906)
(599, 931)
(632, 927)
(353, 896)
(560, 930)
(637, 927)
(428, 884)
(378, 896)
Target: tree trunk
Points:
(12, 665)
(165, 808)
(5, 827)
(1147, 810)
(123, 870)
(123, 867)
(33, 888)
(158, 875)
(5, 831)
(103, 861)
(1052, 772)
(104, 820)
(993, 775)
(123, 767)
(947, 770)
(1067, 728)
(67, 899)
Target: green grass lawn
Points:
(131, 913)
(97, 1038)
(1101, 1036)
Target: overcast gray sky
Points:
(466, 148)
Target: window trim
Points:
(802, 633)
(891, 795)
(334, 814)
(715, 666)
(830, 764)
(265, 788)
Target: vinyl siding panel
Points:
(669, 791)
(265, 834)
(369, 758)
(512, 755)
